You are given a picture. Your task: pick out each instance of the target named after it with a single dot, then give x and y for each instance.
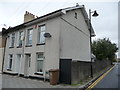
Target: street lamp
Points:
(95, 14)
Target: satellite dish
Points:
(47, 35)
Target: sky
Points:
(105, 25)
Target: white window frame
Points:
(41, 31)
(12, 40)
(10, 62)
(40, 59)
(29, 35)
(20, 38)
(18, 67)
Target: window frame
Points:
(20, 41)
(10, 62)
(76, 15)
(41, 38)
(12, 40)
(28, 37)
(42, 53)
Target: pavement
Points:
(8, 81)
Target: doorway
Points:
(65, 71)
(27, 65)
(18, 63)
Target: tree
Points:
(104, 49)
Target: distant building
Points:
(52, 41)
(2, 47)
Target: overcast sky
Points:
(105, 25)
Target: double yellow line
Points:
(99, 79)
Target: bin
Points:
(54, 76)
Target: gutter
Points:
(44, 18)
(87, 20)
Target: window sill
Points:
(11, 47)
(19, 46)
(9, 70)
(37, 73)
(28, 46)
(40, 44)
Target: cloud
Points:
(48, 1)
(51, 1)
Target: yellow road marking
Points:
(99, 79)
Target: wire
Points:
(74, 26)
(18, 10)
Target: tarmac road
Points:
(111, 80)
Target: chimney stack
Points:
(28, 16)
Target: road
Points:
(111, 80)
(0, 81)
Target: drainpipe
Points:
(4, 53)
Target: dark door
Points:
(65, 71)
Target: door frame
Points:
(27, 64)
(18, 62)
(65, 71)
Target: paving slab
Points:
(9, 81)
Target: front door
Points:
(27, 65)
(18, 63)
(65, 71)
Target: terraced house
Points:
(58, 40)
(1, 51)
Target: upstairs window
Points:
(41, 32)
(75, 15)
(12, 41)
(29, 36)
(21, 37)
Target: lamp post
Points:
(95, 14)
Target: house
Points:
(2, 48)
(58, 40)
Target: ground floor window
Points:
(10, 59)
(40, 60)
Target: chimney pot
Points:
(28, 16)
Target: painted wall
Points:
(1, 58)
(13, 51)
(66, 42)
(1, 52)
(74, 37)
(50, 49)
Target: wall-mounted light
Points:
(95, 14)
(47, 35)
